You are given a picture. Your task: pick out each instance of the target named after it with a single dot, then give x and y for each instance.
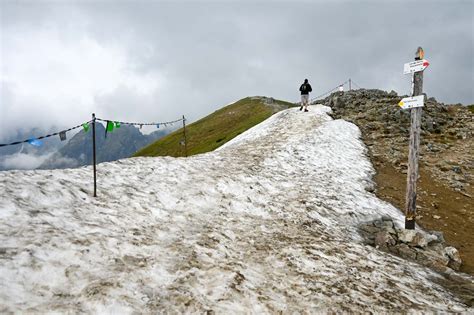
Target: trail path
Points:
(265, 224)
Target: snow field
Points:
(265, 224)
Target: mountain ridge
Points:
(267, 223)
(215, 129)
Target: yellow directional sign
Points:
(412, 102)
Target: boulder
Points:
(379, 223)
(404, 251)
(369, 228)
(383, 239)
(456, 169)
(433, 260)
(431, 238)
(388, 224)
(406, 236)
(419, 240)
(338, 102)
(455, 261)
(390, 230)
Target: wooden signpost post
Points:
(415, 104)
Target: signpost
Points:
(415, 66)
(415, 105)
(412, 102)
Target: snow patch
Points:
(265, 224)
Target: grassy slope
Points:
(214, 130)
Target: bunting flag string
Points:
(36, 141)
(111, 125)
(62, 135)
(85, 126)
(117, 123)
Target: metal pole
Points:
(350, 84)
(415, 130)
(93, 155)
(185, 140)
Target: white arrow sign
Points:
(415, 66)
(412, 102)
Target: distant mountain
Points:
(123, 142)
(49, 144)
(25, 155)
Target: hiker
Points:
(305, 88)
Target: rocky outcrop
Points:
(447, 146)
(426, 248)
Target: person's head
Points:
(305, 80)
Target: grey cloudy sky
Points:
(151, 60)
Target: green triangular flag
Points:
(117, 124)
(85, 126)
(110, 126)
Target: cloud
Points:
(31, 161)
(22, 161)
(58, 81)
(151, 60)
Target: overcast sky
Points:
(155, 61)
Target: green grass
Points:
(214, 130)
(471, 108)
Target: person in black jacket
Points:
(305, 88)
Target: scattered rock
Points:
(456, 169)
(370, 229)
(454, 257)
(420, 240)
(404, 251)
(446, 130)
(383, 239)
(433, 259)
(406, 236)
(370, 188)
(439, 236)
(426, 248)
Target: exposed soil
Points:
(454, 209)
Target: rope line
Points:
(141, 124)
(43, 137)
(328, 92)
(87, 122)
(357, 85)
